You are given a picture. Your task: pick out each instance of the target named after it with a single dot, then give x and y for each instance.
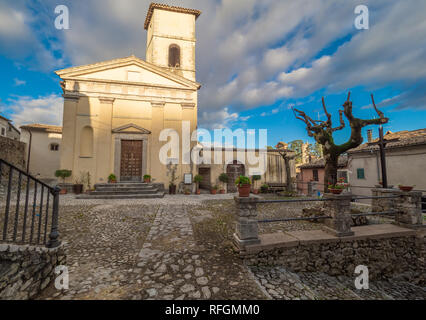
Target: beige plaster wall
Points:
(43, 161)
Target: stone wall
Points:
(385, 258)
(12, 151)
(26, 270)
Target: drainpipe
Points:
(29, 151)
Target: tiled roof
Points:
(168, 8)
(406, 138)
(4, 118)
(43, 127)
(320, 163)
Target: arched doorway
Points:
(234, 170)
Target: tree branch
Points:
(342, 122)
(326, 113)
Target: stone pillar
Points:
(409, 209)
(338, 206)
(246, 227)
(378, 205)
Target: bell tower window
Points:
(174, 56)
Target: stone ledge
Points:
(300, 238)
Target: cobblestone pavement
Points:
(119, 250)
(181, 248)
(282, 284)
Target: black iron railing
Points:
(31, 208)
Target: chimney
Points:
(370, 135)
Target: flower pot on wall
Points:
(244, 190)
(406, 188)
(336, 191)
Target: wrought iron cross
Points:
(382, 145)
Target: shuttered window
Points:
(174, 56)
(360, 173)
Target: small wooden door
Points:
(131, 160)
(233, 171)
(205, 173)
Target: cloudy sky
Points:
(255, 59)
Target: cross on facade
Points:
(382, 145)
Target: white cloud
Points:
(45, 110)
(19, 82)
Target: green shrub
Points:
(242, 180)
(63, 174)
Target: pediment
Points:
(131, 70)
(131, 128)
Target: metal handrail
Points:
(35, 218)
(326, 199)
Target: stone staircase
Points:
(125, 190)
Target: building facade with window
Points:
(405, 162)
(310, 179)
(8, 130)
(45, 153)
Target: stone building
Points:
(405, 162)
(45, 143)
(116, 111)
(8, 130)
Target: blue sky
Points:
(255, 59)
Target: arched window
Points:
(86, 142)
(54, 147)
(174, 56)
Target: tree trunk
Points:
(330, 174)
(288, 174)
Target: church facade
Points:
(114, 111)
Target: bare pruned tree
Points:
(322, 132)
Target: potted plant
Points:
(187, 192)
(338, 187)
(214, 189)
(197, 179)
(224, 179)
(63, 174)
(147, 178)
(264, 188)
(112, 178)
(255, 178)
(405, 188)
(243, 183)
(171, 172)
(79, 183)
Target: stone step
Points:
(123, 192)
(123, 196)
(123, 189)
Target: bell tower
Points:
(171, 38)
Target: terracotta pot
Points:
(336, 191)
(255, 191)
(112, 181)
(63, 191)
(148, 180)
(198, 192)
(244, 191)
(406, 188)
(213, 191)
(78, 188)
(222, 191)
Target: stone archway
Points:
(234, 170)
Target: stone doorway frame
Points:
(137, 133)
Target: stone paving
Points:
(281, 284)
(181, 248)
